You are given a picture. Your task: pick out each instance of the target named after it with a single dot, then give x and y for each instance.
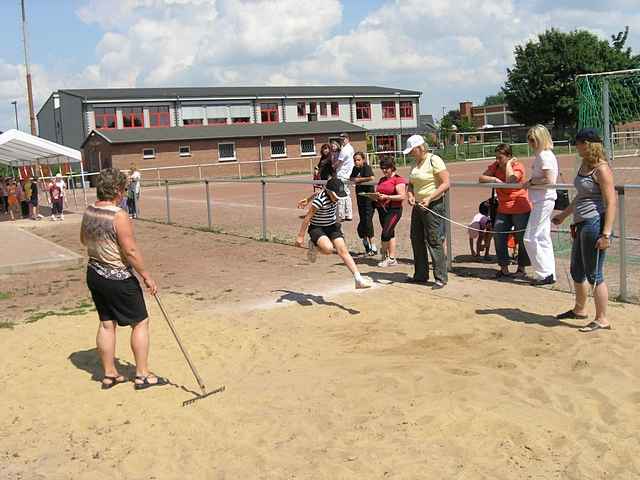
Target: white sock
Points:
(357, 277)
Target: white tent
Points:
(19, 149)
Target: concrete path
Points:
(23, 251)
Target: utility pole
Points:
(15, 108)
(32, 116)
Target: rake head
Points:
(202, 395)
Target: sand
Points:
(474, 381)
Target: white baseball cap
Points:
(412, 142)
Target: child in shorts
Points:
(324, 231)
(480, 231)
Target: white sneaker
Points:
(61, 217)
(388, 262)
(52, 218)
(312, 252)
(363, 283)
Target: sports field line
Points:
(222, 204)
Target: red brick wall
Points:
(205, 152)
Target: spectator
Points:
(362, 173)
(34, 199)
(133, 192)
(324, 169)
(344, 167)
(107, 233)
(594, 212)
(480, 231)
(391, 192)
(23, 198)
(513, 208)
(537, 238)
(55, 194)
(4, 206)
(429, 182)
(59, 181)
(12, 199)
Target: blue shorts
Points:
(587, 262)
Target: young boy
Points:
(325, 232)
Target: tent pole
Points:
(84, 191)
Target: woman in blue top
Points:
(594, 211)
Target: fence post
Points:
(166, 193)
(276, 162)
(528, 150)
(264, 210)
(206, 188)
(310, 166)
(239, 171)
(447, 227)
(623, 245)
(200, 172)
(158, 175)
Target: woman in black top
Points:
(362, 173)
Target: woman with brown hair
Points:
(594, 212)
(513, 208)
(107, 233)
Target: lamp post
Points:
(400, 119)
(15, 108)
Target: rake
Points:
(203, 388)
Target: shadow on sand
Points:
(521, 316)
(308, 299)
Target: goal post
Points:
(610, 103)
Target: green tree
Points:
(540, 88)
(497, 99)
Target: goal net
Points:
(610, 102)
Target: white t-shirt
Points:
(345, 162)
(135, 182)
(60, 183)
(545, 161)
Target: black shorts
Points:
(332, 231)
(389, 218)
(119, 300)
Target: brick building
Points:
(493, 118)
(227, 150)
(388, 114)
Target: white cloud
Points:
(449, 50)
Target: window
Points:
(388, 110)
(105, 118)
(192, 122)
(335, 109)
(307, 146)
(323, 109)
(313, 107)
(302, 109)
(269, 112)
(363, 110)
(406, 109)
(132, 117)
(184, 150)
(226, 151)
(148, 153)
(385, 143)
(278, 148)
(159, 117)
(192, 116)
(216, 121)
(240, 120)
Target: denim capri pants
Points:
(586, 262)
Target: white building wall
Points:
(90, 117)
(291, 106)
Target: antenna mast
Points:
(32, 116)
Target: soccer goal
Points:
(610, 102)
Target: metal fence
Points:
(271, 224)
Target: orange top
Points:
(510, 200)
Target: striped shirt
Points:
(325, 210)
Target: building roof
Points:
(19, 148)
(93, 94)
(426, 122)
(252, 130)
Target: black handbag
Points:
(562, 199)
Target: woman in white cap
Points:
(428, 183)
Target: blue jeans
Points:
(503, 224)
(587, 262)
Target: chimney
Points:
(465, 110)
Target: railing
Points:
(620, 235)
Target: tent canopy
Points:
(19, 149)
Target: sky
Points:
(451, 50)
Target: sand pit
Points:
(475, 381)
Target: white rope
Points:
(467, 226)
